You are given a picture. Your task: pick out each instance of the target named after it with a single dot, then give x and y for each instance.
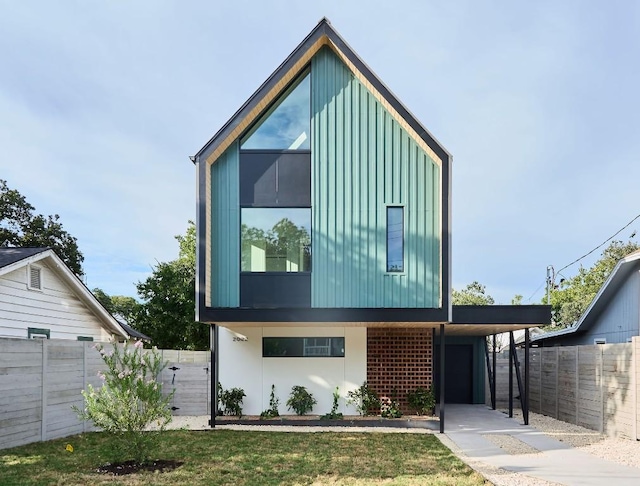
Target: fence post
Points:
(601, 391)
(43, 422)
(84, 379)
(557, 383)
(577, 382)
(634, 385)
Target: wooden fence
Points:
(40, 380)
(597, 386)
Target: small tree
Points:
(129, 401)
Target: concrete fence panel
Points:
(40, 381)
(596, 386)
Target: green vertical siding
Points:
(225, 230)
(363, 161)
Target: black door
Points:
(458, 373)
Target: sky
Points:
(102, 103)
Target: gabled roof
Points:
(612, 285)
(134, 333)
(13, 255)
(323, 34)
(14, 258)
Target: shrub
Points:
(334, 414)
(129, 400)
(231, 400)
(274, 402)
(389, 408)
(422, 400)
(365, 399)
(300, 400)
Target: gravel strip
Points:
(618, 450)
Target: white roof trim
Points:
(108, 321)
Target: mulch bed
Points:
(132, 467)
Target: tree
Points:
(119, 305)
(573, 295)
(20, 227)
(167, 313)
(472, 294)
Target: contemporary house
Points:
(612, 317)
(324, 242)
(40, 297)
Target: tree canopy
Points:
(573, 295)
(167, 313)
(119, 305)
(21, 227)
(473, 294)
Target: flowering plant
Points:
(129, 400)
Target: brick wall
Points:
(400, 360)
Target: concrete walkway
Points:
(476, 429)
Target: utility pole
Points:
(550, 279)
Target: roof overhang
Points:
(467, 320)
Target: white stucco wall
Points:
(242, 365)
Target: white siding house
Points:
(40, 297)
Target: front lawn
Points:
(251, 458)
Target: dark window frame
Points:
(38, 331)
(389, 267)
(278, 272)
(335, 342)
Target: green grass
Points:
(249, 458)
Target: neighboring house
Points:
(612, 317)
(324, 250)
(40, 297)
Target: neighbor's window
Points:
(38, 333)
(287, 125)
(276, 239)
(395, 239)
(299, 347)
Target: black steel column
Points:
(525, 412)
(511, 346)
(493, 383)
(441, 378)
(213, 345)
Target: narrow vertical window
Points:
(395, 239)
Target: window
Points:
(38, 333)
(275, 179)
(600, 341)
(34, 277)
(85, 338)
(395, 239)
(276, 239)
(301, 347)
(287, 125)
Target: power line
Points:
(600, 245)
(587, 254)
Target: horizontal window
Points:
(276, 239)
(299, 347)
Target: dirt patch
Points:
(132, 467)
